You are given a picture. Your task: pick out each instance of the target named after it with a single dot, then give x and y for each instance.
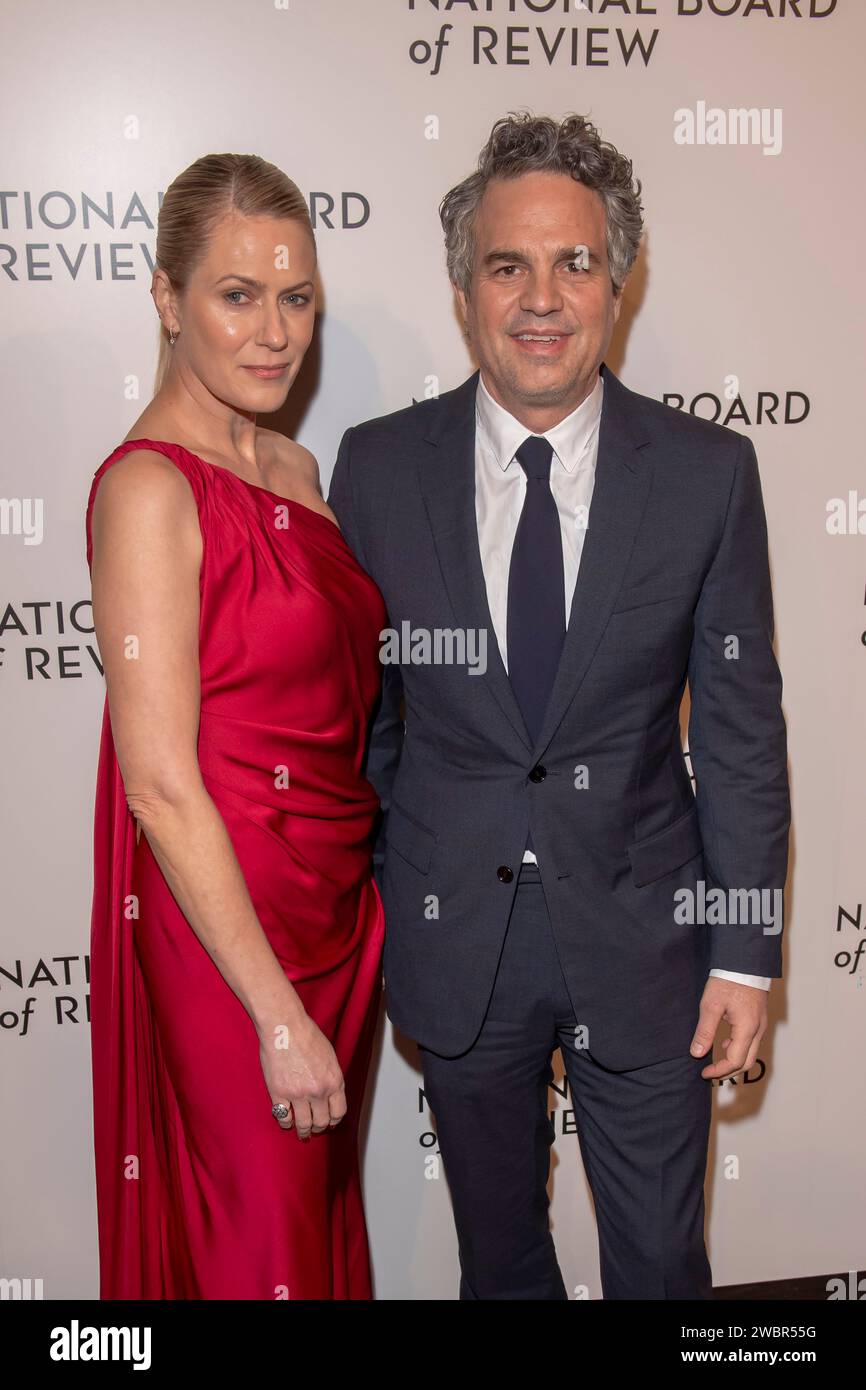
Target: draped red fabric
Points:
(200, 1194)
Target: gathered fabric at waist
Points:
(285, 769)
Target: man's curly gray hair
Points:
(521, 143)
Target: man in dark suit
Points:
(547, 866)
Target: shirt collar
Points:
(570, 438)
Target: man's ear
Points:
(617, 305)
(463, 301)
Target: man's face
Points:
(538, 322)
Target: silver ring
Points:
(279, 1111)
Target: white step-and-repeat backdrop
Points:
(744, 119)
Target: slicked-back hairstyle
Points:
(195, 201)
(521, 143)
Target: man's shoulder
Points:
(677, 429)
(412, 422)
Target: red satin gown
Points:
(200, 1193)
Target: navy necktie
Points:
(535, 628)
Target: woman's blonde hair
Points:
(195, 201)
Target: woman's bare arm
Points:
(147, 551)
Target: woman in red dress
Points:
(236, 931)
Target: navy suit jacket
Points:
(673, 585)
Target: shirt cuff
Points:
(756, 981)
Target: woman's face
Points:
(248, 312)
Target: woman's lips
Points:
(268, 373)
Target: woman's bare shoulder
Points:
(145, 504)
(143, 476)
(293, 456)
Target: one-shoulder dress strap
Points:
(189, 464)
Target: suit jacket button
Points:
(538, 773)
(504, 874)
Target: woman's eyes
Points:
(298, 298)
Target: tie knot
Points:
(534, 456)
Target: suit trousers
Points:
(643, 1137)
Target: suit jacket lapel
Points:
(447, 478)
(622, 485)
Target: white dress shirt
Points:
(500, 489)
